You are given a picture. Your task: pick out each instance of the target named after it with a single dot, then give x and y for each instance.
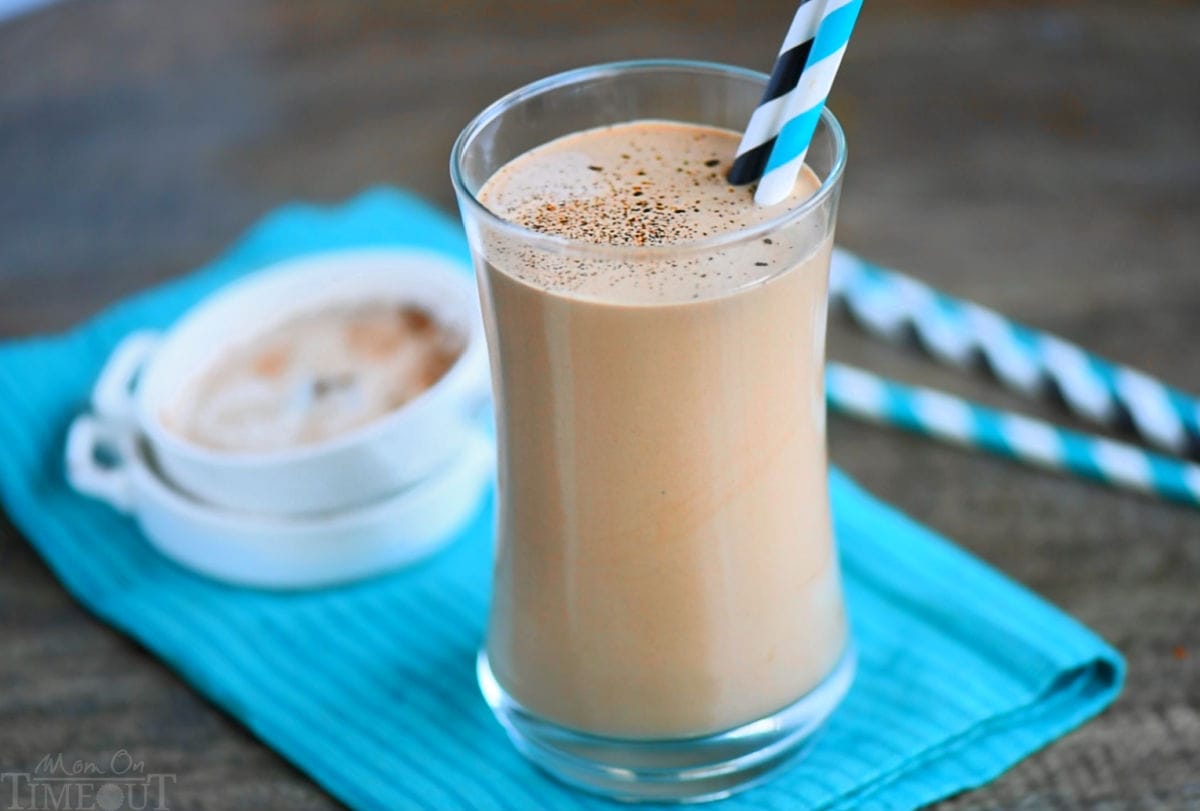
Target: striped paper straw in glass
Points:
(957, 332)
(935, 414)
(761, 132)
(781, 128)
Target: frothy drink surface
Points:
(314, 376)
(665, 565)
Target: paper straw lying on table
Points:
(932, 413)
(957, 332)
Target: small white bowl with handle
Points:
(110, 463)
(148, 370)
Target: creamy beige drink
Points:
(665, 565)
(315, 376)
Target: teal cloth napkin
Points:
(370, 688)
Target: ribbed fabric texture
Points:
(370, 688)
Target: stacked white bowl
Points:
(356, 504)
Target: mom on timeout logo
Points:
(58, 784)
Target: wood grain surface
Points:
(1041, 158)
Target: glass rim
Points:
(563, 244)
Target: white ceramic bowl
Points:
(266, 552)
(147, 370)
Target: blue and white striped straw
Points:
(935, 414)
(776, 141)
(957, 332)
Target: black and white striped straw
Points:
(767, 120)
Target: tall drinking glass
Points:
(667, 619)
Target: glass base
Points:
(699, 769)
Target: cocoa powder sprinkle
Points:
(661, 190)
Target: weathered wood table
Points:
(1043, 159)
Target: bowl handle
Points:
(110, 483)
(112, 397)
